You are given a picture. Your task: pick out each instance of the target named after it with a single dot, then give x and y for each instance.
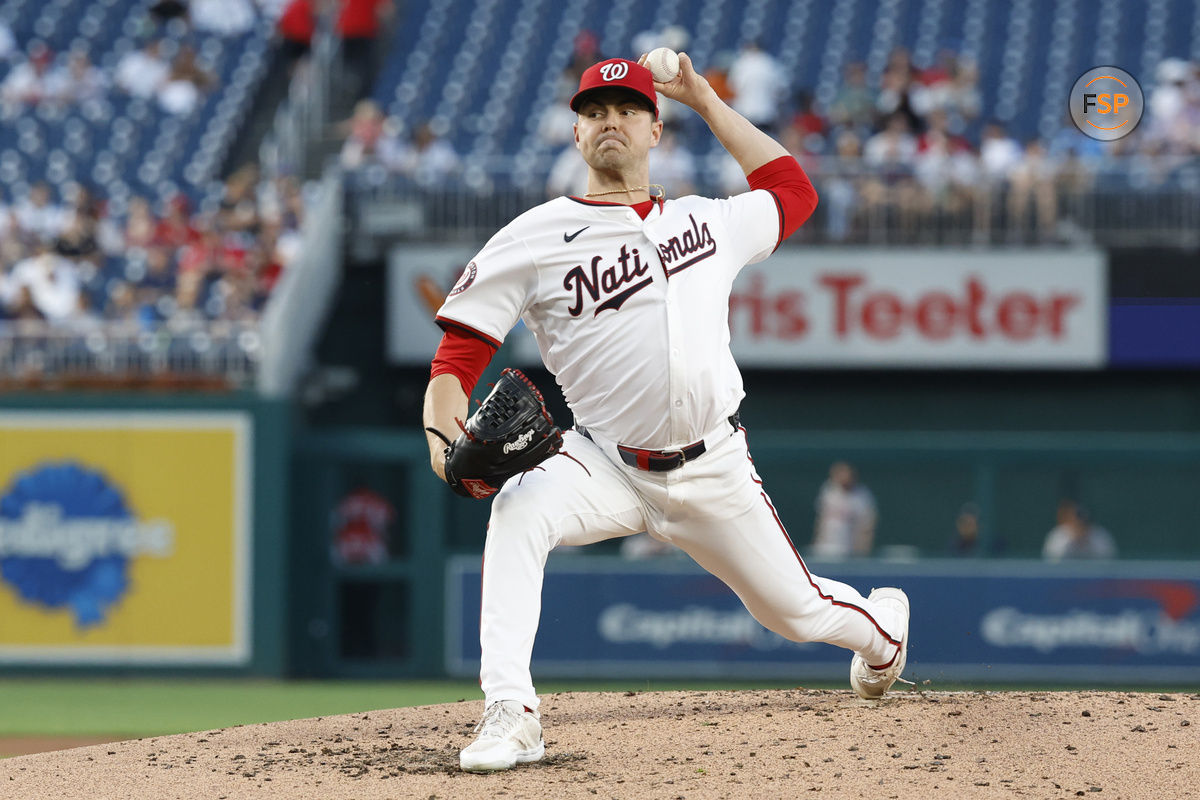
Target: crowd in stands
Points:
(166, 68)
(72, 264)
(912, 146)
(71, 259)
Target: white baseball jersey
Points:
(630, 315)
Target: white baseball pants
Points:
(713, 508)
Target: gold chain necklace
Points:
(661, 191)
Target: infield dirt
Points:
(693, 745)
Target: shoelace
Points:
(498, 720)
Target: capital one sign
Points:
(874, 308)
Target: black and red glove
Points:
(509, 433)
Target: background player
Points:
(627, 295)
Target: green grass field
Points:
(151, 707)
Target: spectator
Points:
(361, 527)
(945, 167)
(367, 137)
(296, 26)
(140, 73)
(270, 259)
(78, 240)
(999, 155)
(52, 283)
(965, 101)
(141, 227)
(222, 17)
(854, 104)
(933, 88)
(889, 188)
(568, 174)
(1173, 108)
(895, 90)
(234, 296)
(201, 258)
(1032, 182)
(38, 216)
(843, 184)
(18, 303)
(807, 128)
(1076, 536)
(427, 158)
(185, 310)
(358, 25)
(25, 85)
(759, 86)
(965, 542)
(672, 165)
(717, 76)
(154, 283)
(176, 229)
(121, 305)
(238, 212)
(585, 51)
(893, 148)
(846, 515)
(76, 82)
(180, 93)
(556, 126)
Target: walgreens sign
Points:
(937, 308)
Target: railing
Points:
(1127, 202)
(304, 117)
(213, 355)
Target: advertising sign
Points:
(914, 308)
(1004, 620)
(124, 538)
(852, 307)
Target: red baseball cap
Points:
(617, 72)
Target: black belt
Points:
(663, 460)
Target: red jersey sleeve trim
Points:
(447, 324)
(795, 196)
(462, 355)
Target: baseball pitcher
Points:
(626, 290)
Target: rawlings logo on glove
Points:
(509, 433)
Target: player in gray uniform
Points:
(627, 294)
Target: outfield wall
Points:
(143, 532)
(1103, 623)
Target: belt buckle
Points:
(677, 458)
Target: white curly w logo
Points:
(614, 72)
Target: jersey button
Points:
(678, 403)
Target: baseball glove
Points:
(510, 432)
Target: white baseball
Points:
(663, 63)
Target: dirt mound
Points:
(693, 745)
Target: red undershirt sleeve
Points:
(462, 355)
(794, 193)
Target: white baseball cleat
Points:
(871, 684)
(508, 735)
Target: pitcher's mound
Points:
(694, 745)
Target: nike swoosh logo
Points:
(571, 238)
